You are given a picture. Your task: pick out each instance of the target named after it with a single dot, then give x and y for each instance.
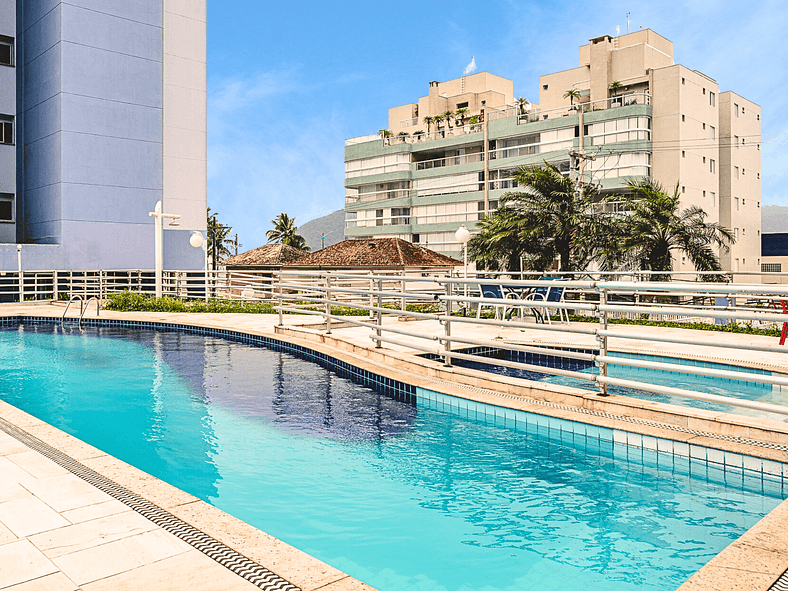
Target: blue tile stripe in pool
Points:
(774, 475)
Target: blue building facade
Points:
(108, 118)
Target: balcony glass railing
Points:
(625, 100)
(450, 161)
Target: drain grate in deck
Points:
(224, 555)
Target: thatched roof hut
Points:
(375, 253)
(264, 257)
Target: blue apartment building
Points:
(102, 114)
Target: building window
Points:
(683, 189)
(6, 129)
(462, 105)
(712, 132)
(736, 200)
(704, 193)
(711, 99)
(683, 154)
(735, 109)
(704, 160)
(742, 110)
(735, 172)
(736, 235)
(6, 51)
(704, 91)
(758, 174)
(758, 116)
(682, 80)
(735, 141)
(704, 126)
(771, 267)
(544, 86)
(682, 118)
(743, 171)
(712, 167)
(6, 207)
(743, 231)
(713, 199)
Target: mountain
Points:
(774, 218)
(332, 225)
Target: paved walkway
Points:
(60, 533)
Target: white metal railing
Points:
(442, 298)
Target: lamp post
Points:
(158, 239)
(197, 240)
(462, 235)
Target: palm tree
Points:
(217, 237)
(447, 115)
(460, 113)
(655, 229)
(615, 86)
(546, 220)
(521, 102)
(284, 232)
(437, 119)
(572, 94)
(429, 121)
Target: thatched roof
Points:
(370, 253)
(268, 255)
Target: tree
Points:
(521, 102)
(217, 238)
(615, 86)
(655, 229)
(545, 221)
(572, 94)
(284, 232)
(461, 113)
(437, 119)
(447, 115)
(429, 121)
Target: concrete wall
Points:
(114, 107)
(185, 127)
(740, 183)
(8, 107)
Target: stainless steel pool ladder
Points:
(83, 307)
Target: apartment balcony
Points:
(532, 116)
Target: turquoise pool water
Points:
(399, 496)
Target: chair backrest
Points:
(491, 291)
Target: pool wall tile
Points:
(681, 449)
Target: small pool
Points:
(707, 384)
(417, 493)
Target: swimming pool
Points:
(431, 495)
(743, 389)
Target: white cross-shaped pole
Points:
(157, 242)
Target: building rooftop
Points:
(268, 255)
(376, 253)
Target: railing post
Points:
(371, 297)
(278, 291)
(447, 342)
(54, 286)
(379, 314)
(449, 292)
(328, 303)
(602, 338)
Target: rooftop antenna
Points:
(628, 22)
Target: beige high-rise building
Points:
(642, 115)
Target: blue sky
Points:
(289, 82)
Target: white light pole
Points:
(197, 240)
(462, 235)
(20, 276)
(158, 239)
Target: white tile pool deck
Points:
(57, 532)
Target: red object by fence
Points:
(784, 333)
